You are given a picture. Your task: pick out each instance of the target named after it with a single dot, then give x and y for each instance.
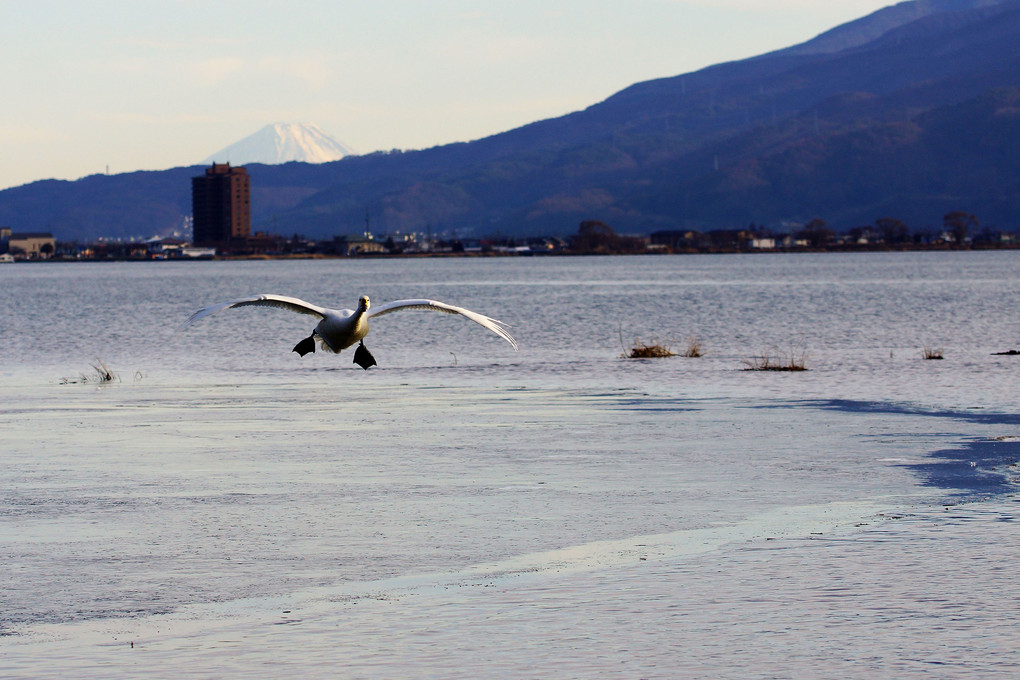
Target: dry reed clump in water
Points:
(655, 350)
(932, 353)
(1007, 353)
(660, 349)
(775, 360)
(103, 374)
(694, 348)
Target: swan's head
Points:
(363, 303)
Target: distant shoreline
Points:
(562, 253)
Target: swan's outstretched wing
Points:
(266, 300)
(494, 325)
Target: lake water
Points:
(226, 508)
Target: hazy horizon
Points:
(121, 87)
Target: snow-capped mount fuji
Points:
(282, 143)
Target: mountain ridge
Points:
(880, 22)
(776, 139)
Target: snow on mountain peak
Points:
(282, 143)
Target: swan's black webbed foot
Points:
(306, 346)
(363, 358)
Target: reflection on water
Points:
(464, 509)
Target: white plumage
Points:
(338, 329)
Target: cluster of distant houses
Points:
(592, 237)
(749, 240)
(412, 244)
(15, 246)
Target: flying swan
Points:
(338, 329)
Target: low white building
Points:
(29, 245)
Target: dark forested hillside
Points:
(910, 112)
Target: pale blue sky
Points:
(145, 84)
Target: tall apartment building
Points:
(221, 206)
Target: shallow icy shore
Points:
(196, 530)
(226, 508)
